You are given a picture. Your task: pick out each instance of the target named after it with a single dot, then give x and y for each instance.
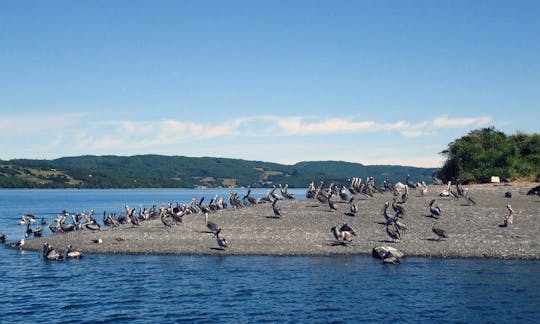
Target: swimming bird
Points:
(2, 238)
(509, 219)
(72, 253)
(388, 258)
(438, 231)
(276, 209)
(435, 211)
(38, 231)
(221, 241)
(50, 254)
(212, 227)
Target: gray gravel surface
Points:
(304, 229)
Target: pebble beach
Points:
(304, 228)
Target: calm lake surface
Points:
(163, 288)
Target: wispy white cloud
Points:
(445, 122)
(283, 138)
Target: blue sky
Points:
(375, 82)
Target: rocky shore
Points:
(305, 229)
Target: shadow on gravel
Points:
(276, 217)
(340, 244)
(350, 214)
(387, 241)
(217, 249)
(432, 239)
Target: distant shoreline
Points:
(304, 229)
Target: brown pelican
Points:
(71, 253)
(18, 244)
(393, 233)
(93, 225)
(50, 254)
(38, 231)
(331, 204)
(251, 200)
(405, 195)
(352, 206)
(212, 227)
(398, 209)
(410, 184)
(509, 219)
(435, 211)
(22, 221)
(388, 258)
(447, 192)
(438, 231)
(276, 209)
(423, 189)
(274, 194)
(343, 195)
(164, 220)
(388, 217)
(221, 241)
(285, 193)
(55, 229)
(342, 236)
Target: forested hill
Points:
(157, 171)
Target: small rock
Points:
(383, 252)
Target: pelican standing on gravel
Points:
(212, 227)
(393, 233)
(438, 231)
(221, 241)
(509, 219)
(435, 211)
(276, 209)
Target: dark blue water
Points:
(128, 288)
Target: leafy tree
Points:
(488, 152)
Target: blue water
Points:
(147, 288)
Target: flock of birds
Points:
(172, 214)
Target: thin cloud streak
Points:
(271, 136)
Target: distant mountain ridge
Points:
(158, 171)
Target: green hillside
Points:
(157, 171)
